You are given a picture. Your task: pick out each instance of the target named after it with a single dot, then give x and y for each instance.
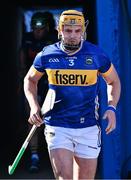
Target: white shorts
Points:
(83, 142)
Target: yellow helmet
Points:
(71, 17)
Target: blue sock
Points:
(35, 157)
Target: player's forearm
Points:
(30, 90)
(113, 91)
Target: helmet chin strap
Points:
(70, 50)
(70, 47)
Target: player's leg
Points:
(34, 148)
(33, 145)
(84, 168)
(87, 149)
(62, 163)
(60, 149)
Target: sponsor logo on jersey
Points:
(58, 101)
(69, 77)
(54, 60)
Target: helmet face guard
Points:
(71, 17)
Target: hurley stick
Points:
(47, 106)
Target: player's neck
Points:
(71, 51)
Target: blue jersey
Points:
(75, 79)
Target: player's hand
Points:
(35, 118)
(111, 117)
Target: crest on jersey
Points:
(89, 60)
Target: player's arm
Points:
(113, 93)
(30, 90)
(113, 87)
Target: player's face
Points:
(71, 34)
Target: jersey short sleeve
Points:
(37, 64)
(105, 65)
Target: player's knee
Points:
(64, 173)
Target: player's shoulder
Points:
(51, 49)
(93, 48)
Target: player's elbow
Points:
(116, 82)
(26, 79)
(29, 83)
